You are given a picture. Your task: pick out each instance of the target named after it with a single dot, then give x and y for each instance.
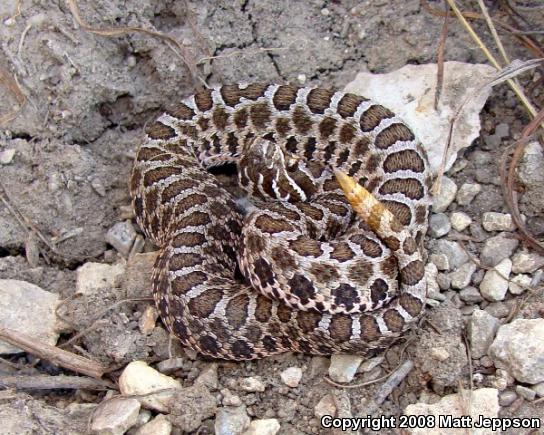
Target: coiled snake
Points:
(299, 271)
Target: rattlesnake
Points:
(299, 272)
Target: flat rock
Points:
(325, 406)
(291, 376)
(483, 402)
(519, 349)
(496, 249)
(461, 277)
(115, 416)
(453, 251)
(439, 225)
(27, 308)
(231, 421)
(266, 426)
(190, 406)
(445, 195)
(481, 331)
(158, 426)
(121, 236)
(495, 283)
(343, 367)
(519, 283)
(492, 221)
(410, 91)
(138, 378)
(251, 384)
(459, 220)
(526, 262)
(467, 192)
(92, 278)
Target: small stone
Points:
(231, 421)
(486, 361)
(470, 295)
(439, 225)
(371, 363)
(498, 309)
(430, 275)
(325, 12)
(506, 398)
(491, 142)
(190, 406)
(453, 251)
(143, 417)
(526, 393)
(6, 156)
(301, 78)
(461, 277)
(140, 379)
(27, 308)
(481, 332)
(539, 389)
(519, 349)
(326, 406)
(230, 399)
(502, 130)
(94, 278)
(444, 281)
(439, 353)
(146, 323)
(170, 365)
(492, 221)
(519, 283)
(459, 220)
(526, 262)
(496, 249)
(208, 377)
(291, 376)
(158, 426)
(440, 261)
(495, 283)
(467, 192)
(115, 416)
(445, 196)
(121, 236)
(267, 426)
(343, 367)
(251, 384)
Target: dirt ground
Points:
(88, 97)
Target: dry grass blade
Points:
(440, 58)
(186, 57)
(10, 84)
(514, 69)
(493, 31)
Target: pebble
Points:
(208, 377)
(445, 196)
(496, 249)
(439, 353)
(170, 365)
(121, 236)
(498, 309)
(115, 416)
(502, 130)
(440, 261)
(231, 421)
(444, 281)
(459, 220)
(146, 322)
(267, 426)
(343, 367)
(230, 399)
(326, 406)
(539, 389)
(371, 363)
(439, 225)
(470, 295)
(467, 192)
(482, 328)
(492, 221)
(251, 384)
(301, 78)
(519, 283)
(6, 156)
(453, 251)
(495, 283)
(94, 278)
(526, 393)
(291, 376)
(27, 308)
(519, 349)
(461, 277)
(138, 378)
(190, 406)
(506, 398)
(158, 426)
(483, 402)
(325, 12)
(526, 262)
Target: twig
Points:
(57, 356)
(46, 382)
(393, 381)
(493, 31)
(440, 59)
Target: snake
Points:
(321, 252)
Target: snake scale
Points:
(297, 270)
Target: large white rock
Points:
(519, 348)
(481, 403)
(410, 92)
(27, 308)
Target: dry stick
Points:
(440, 59)
(517, 90)
(46, 382)
(493, 31)
(57, 356)
(185, 56)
